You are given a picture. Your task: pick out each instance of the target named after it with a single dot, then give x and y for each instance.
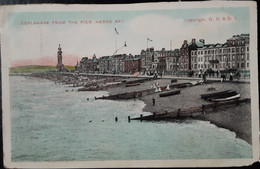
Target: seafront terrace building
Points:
(132, 64)
(185, 53)
(147, 58)
(232, 55)
(165, 61)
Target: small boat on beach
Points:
(206, 96)
(193, 83)
(233, 97)
(132, 84)
(170, 93)
(225, 95)
(182, 85)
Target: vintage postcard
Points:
(133, 85)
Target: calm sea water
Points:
(53, 123)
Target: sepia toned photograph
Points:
(133, 85)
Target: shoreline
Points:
(237, 119)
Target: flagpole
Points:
(115, 42)
(147, 42)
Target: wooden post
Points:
(116, 119)
(215, 105)
(237, 102)
(141, 116)
(179, 111)
(129, 119)
(203, 109)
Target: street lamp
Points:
(119, 49)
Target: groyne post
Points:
(129, 119)
(179, 111)
(116, 119)
(141, 117)
(203, 109)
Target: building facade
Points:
(232, 55)
(132, 64)
(147, 58)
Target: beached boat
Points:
(170, 93)
(182, 85)
(206, 96)
(233, 97)
(193, 83)
(225, 95)
(132, 84)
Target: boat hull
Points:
(237, 96)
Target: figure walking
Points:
(153, 99)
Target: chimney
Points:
(193, 41)
(202, 41)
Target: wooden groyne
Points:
(128, 95)
(192, 111)
(141, 93)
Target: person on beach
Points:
(153, 99)
(231, 76)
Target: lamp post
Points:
(115, 53)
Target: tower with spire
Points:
(59, 66)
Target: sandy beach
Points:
(234, 118)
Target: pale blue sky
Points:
(162, 26)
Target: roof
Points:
(198, 43)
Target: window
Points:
(247, 48)
(212, 51)
(233, 57)
(233, 50)
(237, 49)
(242, 65)
(202, 52)
(247, 56)
(237, 65)
(220, 50)
(242, 57)
(242, 49)
(220, 65)
(247, 64)
(233, 65)
(205, 52)
(201, 59)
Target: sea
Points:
(51, 122)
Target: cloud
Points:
(35, 41)
(215, 28)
